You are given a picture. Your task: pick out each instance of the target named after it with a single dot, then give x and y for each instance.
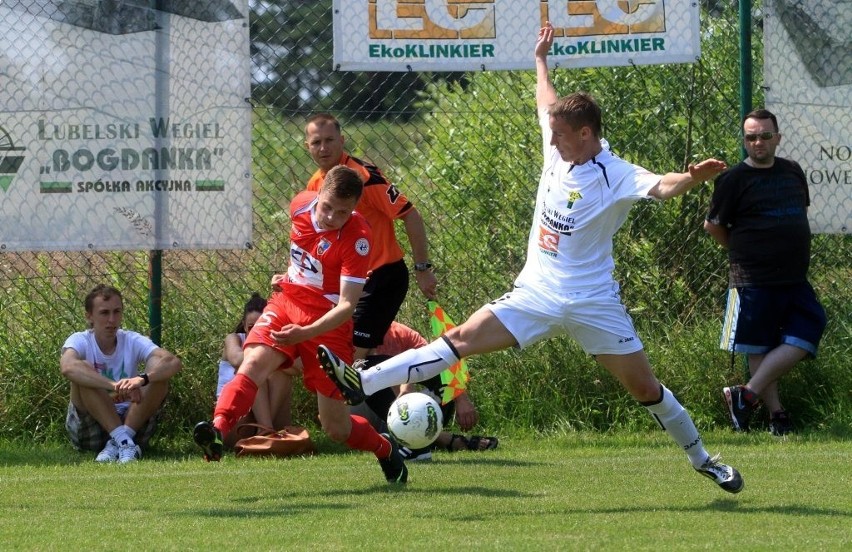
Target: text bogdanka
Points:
(161, 127)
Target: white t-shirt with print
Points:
(131, 350)
(578, 210)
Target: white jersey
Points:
(131, 350)
(578, 210)
(226, 370)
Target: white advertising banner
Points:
(124, 127)
(473, 35)
(808, 74)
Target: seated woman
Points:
(272, 407)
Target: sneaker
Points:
(738, 407)
(725, 476)
(109, 453)
(393, 465)
(415, 455)
(129, 452)
(345, 377)
(209, 439)
(780, 423)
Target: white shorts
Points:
(595, 318)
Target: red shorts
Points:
(280, 311)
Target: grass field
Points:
(577, 491)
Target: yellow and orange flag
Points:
(455, 377)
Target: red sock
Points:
(234, 402)
(365, 437)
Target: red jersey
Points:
(320, 258)
(381, 204)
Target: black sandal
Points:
(472, 443)
(476, 440)
(451, 448)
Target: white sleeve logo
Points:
(362, 247)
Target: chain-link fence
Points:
(466, 149)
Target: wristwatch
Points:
(421, 267)
(144, 379)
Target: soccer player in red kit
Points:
(311, 304)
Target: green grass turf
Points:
(577, 491)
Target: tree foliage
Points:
(292, 67)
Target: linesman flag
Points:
(454, 378)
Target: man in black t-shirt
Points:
(759, 213)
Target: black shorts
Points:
(379, 304)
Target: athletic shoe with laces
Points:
(109, 453)
(780, 423)
(723, 475)
(345, 377)
(738, 407)
(129, 452)
(393, 466)
(209, 439)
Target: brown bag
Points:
(290, 441)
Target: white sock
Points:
(675, 420)
(410, 367)
(123, 435)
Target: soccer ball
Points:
(415, 420)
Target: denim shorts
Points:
(771, 316)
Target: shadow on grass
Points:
(285, 506)
(29, 454)
(273, 511)
(21, 453)
(718, 505)
(727, 505)
(290, 507)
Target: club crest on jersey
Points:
(573, 196)
(322, 247)
(362, 247)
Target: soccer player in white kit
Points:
(566, 285)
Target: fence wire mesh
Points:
(465, 148)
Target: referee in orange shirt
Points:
(381, 204)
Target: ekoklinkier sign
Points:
(473, 35)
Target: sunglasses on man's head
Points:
(768, 135)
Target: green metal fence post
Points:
(161, 95)
(155, 295)
(745, 62)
